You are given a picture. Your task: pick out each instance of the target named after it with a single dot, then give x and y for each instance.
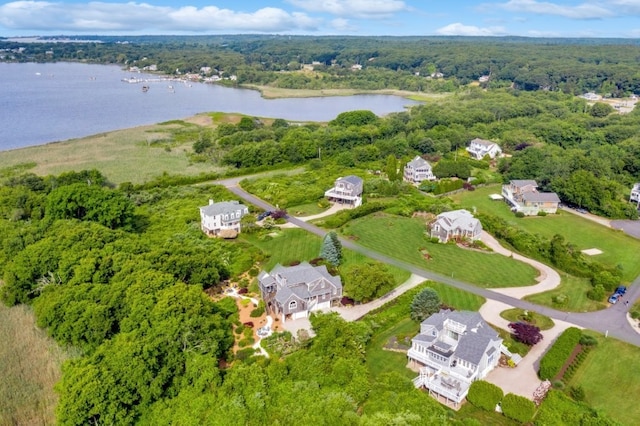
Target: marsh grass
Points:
(30, 365)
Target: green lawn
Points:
(403, 238)
(610, 376)
(574, 290)
(517, 314)
(308, 209)
(289, 245)
(380, 360)
(617, 247)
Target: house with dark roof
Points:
(346, 190)
(295, 291)
(478, 148)
(216, 219)
(635, 194)
(418, 170)
(455, 224)
(453, 349)
(523, 196)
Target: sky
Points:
(529, 18)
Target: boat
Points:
(145, 88)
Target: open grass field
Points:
(574, 291)
(308, 209)
(617, 247)
(610, 376)
(403, 238)
(29, 367)
(288, 245)
(132, 155)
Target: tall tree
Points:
(425, 304)
(331, 249)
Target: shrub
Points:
(519, 214)
(558, 384)
(577, 393)
(518, 408)
(552, 362)
(484, 395)
(526, 333)
(587, 340)
(542, 213)
(257, 312)
(247, 341)
(596, 293)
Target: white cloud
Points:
(470, 30)
(353, 8)
(582, 11)
(341, 24)
(132, 17)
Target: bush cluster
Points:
(552, 362)
(518, 408)
(484, 395)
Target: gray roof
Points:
(354, 180)
(418, 163)
(474, 342)
(483, 142)
(523, 182)
(297, 279)
(541, 197)
(455, 219)
(223, 207)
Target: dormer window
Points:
(293, 305)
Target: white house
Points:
(347, 190)
(635, 194)
(222, 216)
(455, 224)
(453, 349)
(418, 170)
(524, 197)
(478, 148)
(294, 292)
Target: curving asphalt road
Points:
(612, 322)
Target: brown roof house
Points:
(455, 224)
(346, 190)
(453, 349)
(294, 292)
(523, 196)
(222, 219)
(418, 170)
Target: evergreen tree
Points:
(331, 249)
(392, 168)
(425, 304)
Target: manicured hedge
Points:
(518, 408)
(484, 395)
(552, 362)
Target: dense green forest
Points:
(576, 66)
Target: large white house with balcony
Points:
(223, 216)
(523, 196)
(295, 291)
(479, 148)
(453, 349)
(346, 190)
(418, 170)
(635, 194)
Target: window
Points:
(293, 305)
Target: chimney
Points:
(210, 201)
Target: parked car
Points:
(614, 298)
(621, 290)
(583, 211)
(264, 215)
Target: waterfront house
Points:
(294, 292)
(479, 148)
(418, 170)
(523, 196)
(635, 194)
(453, 349)
(223, 218)
(346, 190)
(457, 224)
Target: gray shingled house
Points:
(455, 224)
(218, 217)
(293, 292)
(346, 190)
(418, 170)
(453, 349)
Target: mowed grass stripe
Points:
(618, 248)
(403, 238)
